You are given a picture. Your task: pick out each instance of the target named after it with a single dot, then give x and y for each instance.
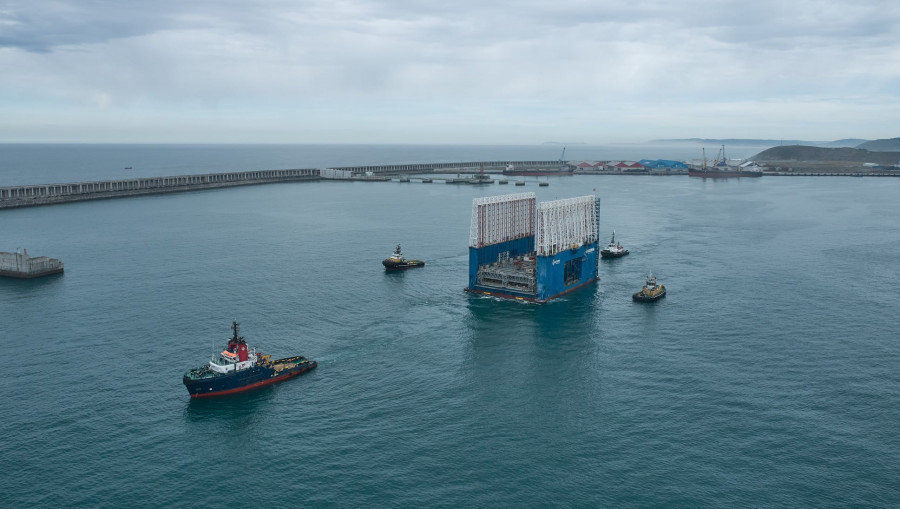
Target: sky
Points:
(447, 72)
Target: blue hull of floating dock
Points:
(552, 277)
(555, 275)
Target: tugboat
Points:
(239, 368)
(397, 262)
(651, 291)
(614, 249)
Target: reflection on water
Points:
(38, 284)
(230, 407)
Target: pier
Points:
(49, 194)
(831, 174)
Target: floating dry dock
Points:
(20, 265)
(523, 250)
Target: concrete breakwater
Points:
(49, 194)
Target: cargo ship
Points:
(719, 168)
(722, 173)
(397, 262)
(239, 368)
(512, 171)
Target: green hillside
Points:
(806, 154)
(889, 145)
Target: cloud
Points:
(524, 70)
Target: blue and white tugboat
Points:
(614, 249)
(239, 368)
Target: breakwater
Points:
(49, 194)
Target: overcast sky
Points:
(463, 71)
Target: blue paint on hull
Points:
(552, 280)
(555, 275)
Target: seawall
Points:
(49, 194)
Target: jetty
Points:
(49, 194)
(22, 266)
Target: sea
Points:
(768, 377)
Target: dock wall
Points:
(566, 271)
(459, 167)
(49, 194)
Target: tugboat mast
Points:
(236, 327)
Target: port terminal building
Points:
(521, 249)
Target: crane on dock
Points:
(562, 156)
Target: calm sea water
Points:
(768, 376)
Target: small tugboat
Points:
(651, 291)
(397, 262)
(614, 249)
(239, 368)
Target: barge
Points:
(21, 266)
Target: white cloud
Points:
(450, 72)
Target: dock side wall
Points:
(551, 275)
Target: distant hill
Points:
(850, 142)
(888, 145)
(804, 153)
(736, 142)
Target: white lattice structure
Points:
(564, 224)
(501, 218)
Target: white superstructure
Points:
(566, 224)
(501, 218)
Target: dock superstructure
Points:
(525, 250)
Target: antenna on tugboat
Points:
(236, 327)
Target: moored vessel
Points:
(20, 265)
(719, 168)
(538, 172)
(651, 291)
(397, 262)
(613, 249)
(239, 368)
